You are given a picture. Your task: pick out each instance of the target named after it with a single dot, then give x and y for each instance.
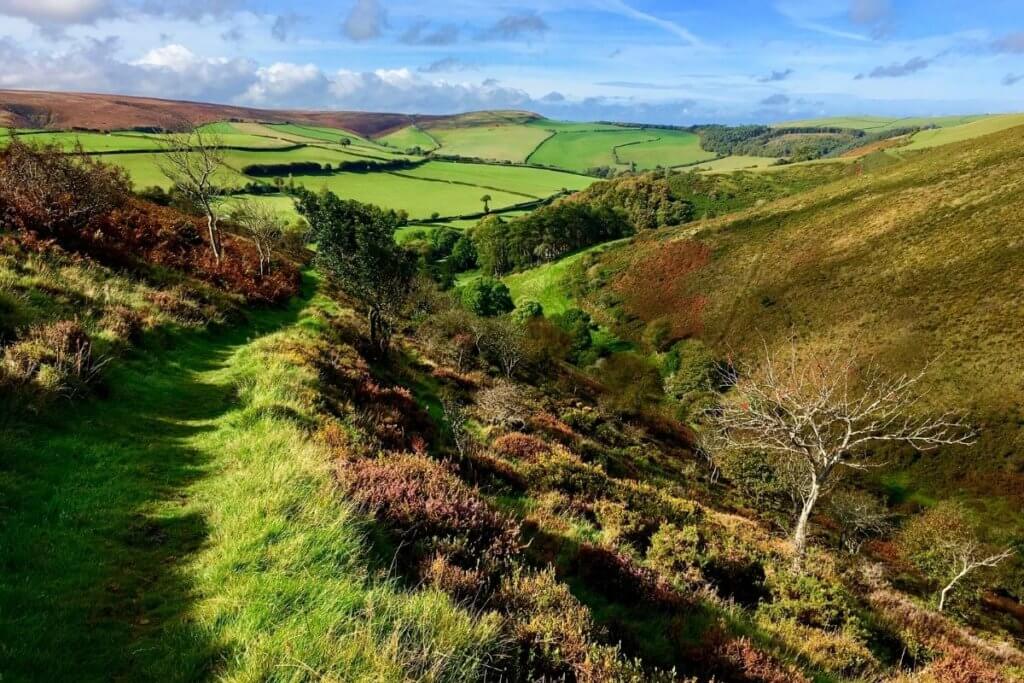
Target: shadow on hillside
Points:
(96, 530)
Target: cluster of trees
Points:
(648, 201)
(545, 235)
(313, 168)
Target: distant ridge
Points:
(65, 110)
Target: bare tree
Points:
(264, 225)
(503, 341)
(190, 161)
(944, 545)
(458, 422)
(822, 416)
(859, 517)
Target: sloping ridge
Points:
(60, 110)
(921, 261)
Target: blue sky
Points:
(677, 62)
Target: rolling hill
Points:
(905, 263)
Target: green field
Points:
(144, 170)
(734, 163)
(673, 148)
(408, 138)
(573, 126)
(944, 136)
(535, 182)
(878, 124)
(93, 142)
(420, 198)
(579, 151)
(495, 142)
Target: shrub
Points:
(520, 446)
(691, 367)
(504, 404)
(620, 524)
(463, 255)
(124, 324)
(57, 357)
(631, 383)
(487, 297)
(557, 469)
(621, 579)
(736, 659)
(676, 553)
(812, 598)
(425, 502)
(555, 635)
(961, 666)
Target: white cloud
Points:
(57, 13)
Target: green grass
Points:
(93, 142)
(144, 170)
(420, 198)
(496, 142)
(546, 284)
(944, 136)
(878, 124)
(579, 151)
(673, 148)
(735, 163)
(187, 527)
(573, 126)
(409, 137)
(535, 182)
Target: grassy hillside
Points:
(946, 135)
(911, 263)
(875, 124)
(408, 138)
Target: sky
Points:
(653, 61)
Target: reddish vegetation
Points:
(621, 578)
(60, 111)
(960, 666)
(520, 446)
(653, 287)
(736, 659)
(48, 199)
(426, 502)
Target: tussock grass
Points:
(189, 527)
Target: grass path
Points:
(185, 527)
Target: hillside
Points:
(906, 263)
(90, 111)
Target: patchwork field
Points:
(409, 138)
(534, 182)
(512, 142)
(672, 148)
(878, 124)
(420, 198)
(735, 163)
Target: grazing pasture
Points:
(878, 124)
(420, 198)
(513, 142)
(734, 163)
(535, 182)
(408, 138)
(672, 148)
(983, 126)
(582, 150)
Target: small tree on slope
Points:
(356, 247)
(815, 418)
(190, 160)
(944, 545)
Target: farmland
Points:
(513, 142)
(580, 150)
(408, 138)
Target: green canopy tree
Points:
(356, 248)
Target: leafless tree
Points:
(822, 416)
(859, 516)
(190, 161)
(503, 341)
(945, 546)
(506, 404)
(458, 422)
(264, 225)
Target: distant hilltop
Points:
(91, 111)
